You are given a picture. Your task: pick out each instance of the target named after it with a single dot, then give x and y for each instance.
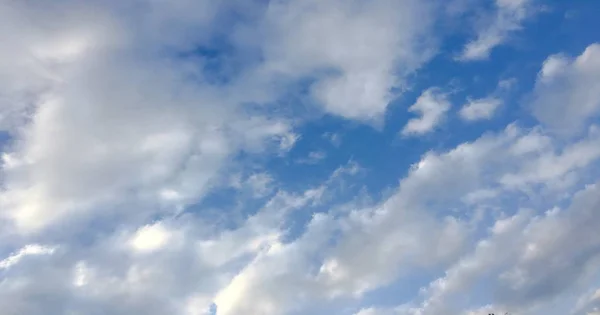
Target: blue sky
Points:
(383, 157)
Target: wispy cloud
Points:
(496, 29)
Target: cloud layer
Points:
(199, 157)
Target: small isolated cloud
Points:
(432, 106)
(507, 84)
(334, 138)
(313, 157)
(480, 109)
(495, 30)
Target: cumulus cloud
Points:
(479, 109)
(108, 123)
(413, 228)
(526, 268)
(566, 93)
(358, 52)
(435, 184)
(432, 105)
(178, 265)
(123, 130)
(150, 238)
(524, 261)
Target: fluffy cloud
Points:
(108, 123)
(479, 109)
(124, 129)
(414, 229)
(178, 265)
(432, 105)
(357, 52)
(567, 91)
(525, 262)
(551, 256)
(84, 87)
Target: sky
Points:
(291, 157)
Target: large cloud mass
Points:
(123, 121)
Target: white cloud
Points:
(259, 231)
(432, 105)
(105, 122)
(507, 254)
(416, 240)
(567, 91)
(27, 250)
(275, 283)
(550, 167)
(260, 184)
(528, 261)
(402, 232)
(185, 264)
(525, 269)
(496, 29)
(116, 139)
(150, 238)
(479, 109)
(253, 269)
(358, 52)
